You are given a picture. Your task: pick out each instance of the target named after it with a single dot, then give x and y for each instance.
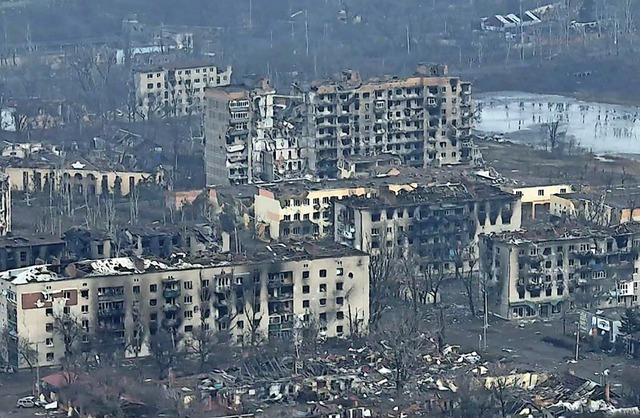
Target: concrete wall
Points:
(538, 195)
(25, 179)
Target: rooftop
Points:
(407, 176)
(177, 65)
(440, 194)
(565, 231)
(44, 156)
(351, 79)
(26, 240)
(256, 254)
(619, 198)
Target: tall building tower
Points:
(237, 118)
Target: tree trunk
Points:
(472, 305)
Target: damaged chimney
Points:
(226, 242)
(138, 263)
(71, 271)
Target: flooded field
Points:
(599, 127)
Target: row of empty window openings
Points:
(316, 215)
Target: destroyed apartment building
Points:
(270, 291)
(160, 241)
(251, 136)
(17, 251)
(425, 119)
(304, 209)
(440, 223)
(541, 272)
(339, 128)
(598, 207)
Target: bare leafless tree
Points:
(465, 261)
(26, 349)
(554, 135)
(164, 351)
(68, 328)
(382, 286)
(252, 316)
(433, 278)
(473, 400)
(403, 339)
(500, 387)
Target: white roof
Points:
(532, 16)
(513, 18)
(25, 275)
(107, 267)
(121, 265)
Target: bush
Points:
(559, 342)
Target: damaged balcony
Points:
(327, 99)
(281, 294)
(111, 325)
(347, 231)
(279, 279)
(235, 156)
(280, 307)
(233, 135)
(109, 310)
(171, 288)
(222, 311)
(239, 117)
(278, 323)
(170, 308)
(220, 300)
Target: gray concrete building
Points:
(440, 224)
(340, 128)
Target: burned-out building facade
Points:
(340, 128)
(135, 240)
(251, 135)
(439, 224)
(542, 272)
(229, 122)
(272, 291)
(424, 119)
(17, 251)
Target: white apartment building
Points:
(272, 292)
(176, 89)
